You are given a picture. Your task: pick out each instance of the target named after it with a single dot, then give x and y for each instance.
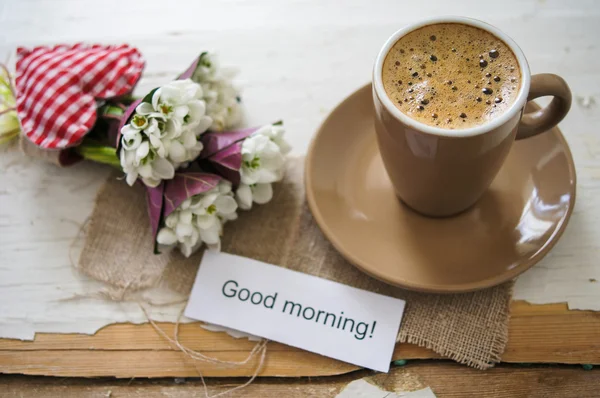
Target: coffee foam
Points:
(451, 75)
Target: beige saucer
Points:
(510, 229)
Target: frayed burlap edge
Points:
(497, 346)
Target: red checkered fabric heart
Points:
(57, 88)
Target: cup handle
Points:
(544, 119)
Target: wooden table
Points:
(297, 59)
(537, 334)
(445, 379)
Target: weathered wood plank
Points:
(538, 333)
(146, 363)
(447, 380)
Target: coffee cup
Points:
(441, 162)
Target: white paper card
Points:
(297, 309)
(363, 389)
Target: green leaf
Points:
(202, 60)
(148, 97)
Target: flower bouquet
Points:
(179, 140)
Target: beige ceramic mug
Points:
(441, 172)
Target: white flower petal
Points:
(224, 187)
(204, 124)
(265, 176)
(127, 158)
(211, 236)
(263, 145)
(196, 110)
(180, 111)
(198, 148)
(166, 236)
(173, 128)
(186, 249)
(185, 216)
(142, 151)
(262, 193)
(208, 198)
(249, 146)
(131, 178)
(271, 149)
(264, 130)
(243, 195)
(151, 182)
(177, 152)
(229, 217)
(145, 108)
(131, 141)
(189, 139)
(192, 240)
(195, 203)
(272, 161)
(157, 144)
(128, 130)
(185, 204)
(153, 129)
(172, 220)
(206, 221)
(156, 98)
(182, 230)
(248, 176)
(193, 91)
(226, 204)
(186, 90)
(163, 169)
(146, 171)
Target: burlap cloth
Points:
(469, 328)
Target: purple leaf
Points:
(214, 142)
(186, 185)
(154, 200)
(128, 112)
(228, 162)
(190, 71)
(230, 157)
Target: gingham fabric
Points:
(57, 88)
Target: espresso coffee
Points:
(451, 75)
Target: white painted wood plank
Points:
(297, 60)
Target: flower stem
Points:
(111, 111)
(99, 153)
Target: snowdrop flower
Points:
(262, 164)
(179, 101)
(199, 220)
(221, 96)
(275, 132)
(184, 148)
(151, 171)
(164, 134)
(262, 160)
